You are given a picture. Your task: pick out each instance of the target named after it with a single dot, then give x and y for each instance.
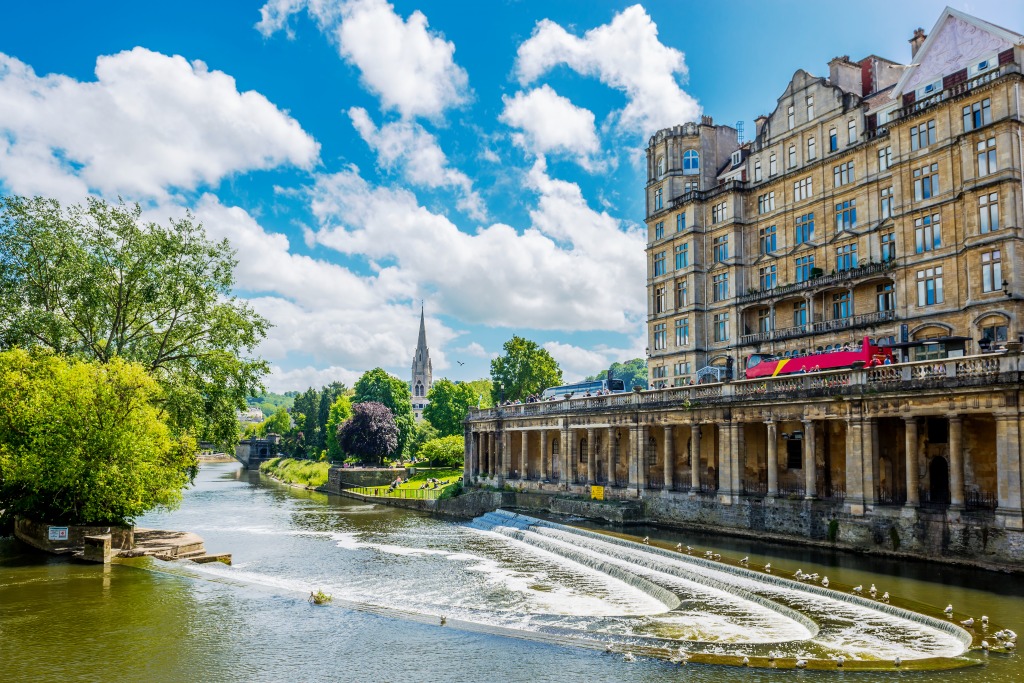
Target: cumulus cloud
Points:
(280, 380)
(578, 363)
(135, 131)
(551, 123)
(407, 146)
(409, 67)
(624, 54)
(473, 349)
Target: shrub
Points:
(448, 451)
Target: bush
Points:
(304, 472)
(448, 451)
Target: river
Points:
(393, 573)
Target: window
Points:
(764, 320)
(721, 325)
(841, 305)
(681, 368)
(682, 294)
(842, 174)
(977, 115)
(661, 166)
(929, 286)
(927, 233)
(682, 332)
(682, 256)
(996, 333)
(757, 170)
(846, 215)
(988, 210)
(660, 337)
(811, 151)
(792, 156)
(790, 118)
(888, 246)
(986, 157)
(983, 65)
(802, 189)
(922, 135)
(659, 230)
(991, 271)
(833, 140)
(681, 222)
(804, 264)
(691, 186)
(720, 248)
(659, 299)
(718, 212)
(804, 228)
(691, 162)
(659, 263)
(773, 168)
(851, 129)
(885, 203)
(799, 314)
(885, 297)
(658, 198)
(720, 286)
(884, 158)
(737, 157)
(767, 239)
(846, 257)
(766, 202)
(926, 182)
(810, 108)
(767, 278)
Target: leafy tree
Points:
(279, 423)
(94, 282)
(525, 369)
(328, 394)
(341, 410)
(308, 405)
(482, 389)
(370, 434)
(447, 451)
(423, 433)
(83, 442)
(448, 405)
(632, 373)
(269, 402)
(377, 385)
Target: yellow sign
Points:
(597, 492)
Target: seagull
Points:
(768, 567)
(949, 610)
(460, 362)
(1010, 635)
(646, 539)
(798, 574)
(984, 620)
(873, 590)
(968, 622)
(708, 554)
(689, 550)
(745, 560)
(444, 620)
(885, 597)
(897, 661)
(858, 589)
(801, 663)
(824, 582)
(628, 657)
(1010, 645)
(718, 556)
(840, 660)
(607, 647)
(746, 661)
(679, 547)
(984, 645)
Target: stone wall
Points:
(36, 534)
(339, 478)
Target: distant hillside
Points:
(270, 402)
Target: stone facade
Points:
(422, 373)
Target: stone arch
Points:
(928, 325)
(938, 480)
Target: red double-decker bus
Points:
(764, 365)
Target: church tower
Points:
(422, 374)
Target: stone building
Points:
(885, 202)
(422, 373)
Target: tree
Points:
(524, 370)
(83, 442)
(377, 385)
(279, 423)
(370, 434)
(423, 433)
(94, 282)
(482, 390)
(341, 410)
(304, 412)
(447, 451)
(632, 373)
(328, 394)
(448, 404)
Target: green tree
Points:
(279, 423)
(448, 404)
(308, 405)
(447, 451)
(370, 434)
(377, 385)
(632, 373)
(423, 433)
(94, 282)
(525, 369)
(482, 389)
(83, 442)
(328, 394)
(341, 410)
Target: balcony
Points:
(815, 282)
(704, 195)
(954, 91)
(820, 327)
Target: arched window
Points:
(691, 162)
(661, 166)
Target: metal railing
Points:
(814, 282)
(954, 91)
(388, 492)
(980, 500)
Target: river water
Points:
(510, 607)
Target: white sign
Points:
(58, 533)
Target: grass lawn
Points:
(303, 472)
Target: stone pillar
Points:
(591, 458)
(1008, 470)
(869, 451)
(773, 460)
(810, 461)
(638, 457)
(504, 455)
(524, 457)
(728, 456)
(485, 466)
(854, 503)
(467, 461)
(544, 456)
(610, 456)
(956, 462)
(564, 438)
(695, 457)
(913, 476)
(670, 458)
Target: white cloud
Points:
(473, 349)
(624, 54)
(408, 146)
(577, 362)
(147, 124)
(409, 67)
(297, 379)
(551, 123)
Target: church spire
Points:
(421, 345)
(422, 373)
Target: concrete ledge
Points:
(37, 535)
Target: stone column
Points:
(1008, 470)
(670, 458)
(564, 437)
(544, 456)
(913, 476)
(467, 462)
(591, 458)
(773, 460)
(869, 443)
(485, 455)
(695, 457)
(638, 457)
(727, 462)
(504, 454)
(610, 455)
(810, 461)
(956, 462)
(524, 463)
(854, 503)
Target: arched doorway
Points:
(938, 481)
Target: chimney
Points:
(706, 121)
(916, 42)
(845, 74)
(759, 122)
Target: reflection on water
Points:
(167, 622)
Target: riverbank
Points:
(308, 474)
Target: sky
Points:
(484, 160)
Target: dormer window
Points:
(983, 65)
(930, 88)
(736, 158)
(691, 162)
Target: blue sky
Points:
(363, 156)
